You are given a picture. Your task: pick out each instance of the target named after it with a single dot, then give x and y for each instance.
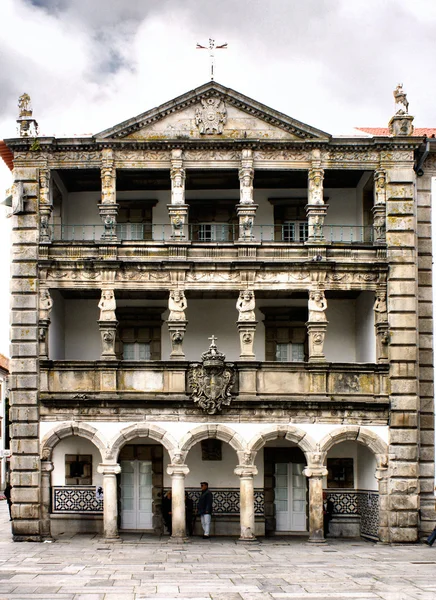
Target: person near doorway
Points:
(7, 494)
(167, 512)
(204, 508)
(431, 538)
(328, 508)
(189, 512)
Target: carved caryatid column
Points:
(45, 206)
(45, 306)
(178, 473)
(317, 325)
(246, 473)
(108, 207)
(382, 326)
(246, 209)
(110, 502)
(178, 210)
(379, 208)
(315, 473)
(108, 324)
(46, 469)
(246, 305)
(177, 323)
(315, 208)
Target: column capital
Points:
(315, 472)
(109, 468)
(47, 466)
(246, 471)
(180, 470)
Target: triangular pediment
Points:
(213, 112)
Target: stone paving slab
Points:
(86, 567)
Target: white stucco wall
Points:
(82, 339)
(74, 445)
(365, 332)
(340, 339)
(56, 332)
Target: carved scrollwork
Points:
(212, 116)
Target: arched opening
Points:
(351, 486)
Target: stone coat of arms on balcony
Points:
(211, 117)
(210, 382)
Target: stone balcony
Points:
(125, 382)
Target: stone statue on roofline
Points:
(401, 102)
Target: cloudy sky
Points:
(89, 64)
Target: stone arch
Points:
(142, 430)
(72, 428)
(221, 432)
(288, 432)
(354, 433)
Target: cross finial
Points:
(212, 46)
(212, 339)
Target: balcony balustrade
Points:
(215, 233)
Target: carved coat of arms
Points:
(212, 115)
(210, 382)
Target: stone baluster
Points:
(246, 324)
(178, 209)
(45, 206)
(178, 473)
(315, 473)
(246, 475)
(108, 207)
(317, 325)
(246, 209)
(110, 502)
(316, 209)
(46, 469)
(177, 323)
(379, 208)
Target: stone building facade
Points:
(215, 291)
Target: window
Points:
(213, 232)
(340, 473)
(289, 352)
(78, 469)
(297, 231)
(136, 351)
(211, 449)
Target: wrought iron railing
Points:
(216, 233)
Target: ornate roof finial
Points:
(28, 125)
(212, 47)
(401, 101)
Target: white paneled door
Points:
(136, 494)
(290, 497)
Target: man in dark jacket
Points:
(167, 512)
(204, 508)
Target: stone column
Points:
(316, 209)
(246, 209)
(46, 469)
(246, 475)
(178, 474)
(108, 207)
(381, 474)
(178, 209)
(177, 323)
(317, 325)
(316, 504)
(379, 208)
(246, 323)
(110, 501)
(45, 206)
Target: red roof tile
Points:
(384, 131)
(7, 155)
(4, 363)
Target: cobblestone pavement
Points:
(85, 567)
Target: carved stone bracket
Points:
(43, 338)
(177, 331)
(108, 214)
(383, 340)
(401, 125)
(316, 333)
(108, 332)
(178, 214)
(210, 382)
(379, 220)
(315, 216)
(246, 214)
